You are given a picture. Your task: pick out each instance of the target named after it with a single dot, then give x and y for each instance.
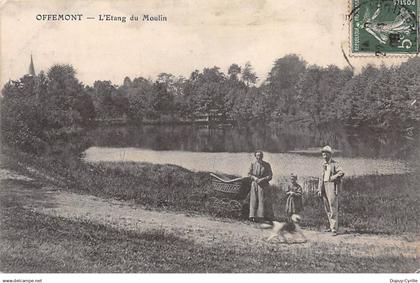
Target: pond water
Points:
(350, 143)
(229, 150)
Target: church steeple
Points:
(31, 68)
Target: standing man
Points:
(260, 174)
(329, 187)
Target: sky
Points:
(197, 34)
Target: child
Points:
(293, 208)
(294, 200)
(290, 227)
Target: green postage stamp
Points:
(381, 27)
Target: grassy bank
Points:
(34, 242)
(369, 204)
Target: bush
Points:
(46, 114)
(368, 204)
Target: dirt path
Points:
(200, 229)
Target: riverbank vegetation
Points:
(369, 204)
(46, 114)
(41, 113)
(293, 93)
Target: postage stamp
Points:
(381, 27)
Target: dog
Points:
(281, 229)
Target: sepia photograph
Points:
(196, 137)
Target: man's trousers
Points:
(330, 197)
(256, 201)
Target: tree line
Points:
(294, 93)
(50, 111)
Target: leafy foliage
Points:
(46, 114)
(294, 94)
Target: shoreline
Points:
(174, 188)
(283, 163)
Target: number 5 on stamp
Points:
(384, 27)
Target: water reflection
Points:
(349, 143)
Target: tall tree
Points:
(63, 123)
(281, 85)
(139, 99)
(248, 75)
(44, 114)
(127, 82)
(234, 71)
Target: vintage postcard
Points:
(181, 136)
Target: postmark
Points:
(384, 27)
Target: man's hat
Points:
(327, 148)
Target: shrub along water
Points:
(46, 114)
(368, 204)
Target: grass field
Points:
(369, 204)
(35, 242)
